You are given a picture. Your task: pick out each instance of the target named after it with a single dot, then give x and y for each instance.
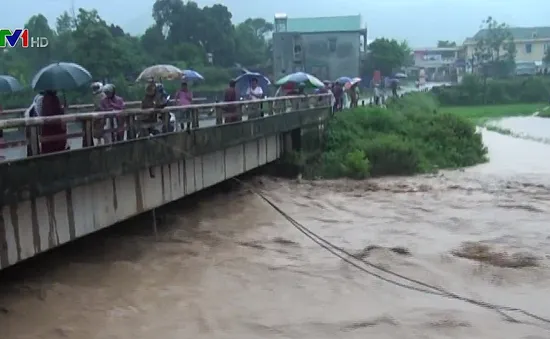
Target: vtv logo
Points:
(9, 38)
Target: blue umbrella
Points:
(243, 81)
(9, 84)
(343, 80)
(189, 74)
(247, 77)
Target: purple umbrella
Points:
(189, 74)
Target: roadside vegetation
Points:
(410, 136)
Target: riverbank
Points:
(545, 112)
(484, 112)
(410, 136)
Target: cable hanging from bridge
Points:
(426, 288)
(348, 257)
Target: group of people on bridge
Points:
(106, 129)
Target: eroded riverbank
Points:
(233, 267)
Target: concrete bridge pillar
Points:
(292, 140)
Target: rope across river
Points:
(408, 283)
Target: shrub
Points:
(473, 91)
(407, 138)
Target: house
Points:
(531, 45)
(327, 47)
(439, 63)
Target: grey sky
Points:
(421, 22)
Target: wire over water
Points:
(426, 288)
(348, 257)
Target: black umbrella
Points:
(61, 76)
(9, 84)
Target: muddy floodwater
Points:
(232, 267)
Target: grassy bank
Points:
(408, 137)
(545, 112)
(484, 112)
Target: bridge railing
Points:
(19, 112)
(136, 123)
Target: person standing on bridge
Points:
(54, 133)
(231, 111)
(377, 94)
(338, 93)
(98, 124)
(254, 92)
(394, 84)
(113, 102)
(184, 97)
(153, 99)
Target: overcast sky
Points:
(421, 22)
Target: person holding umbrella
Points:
(53, 133)
(151, 99)
(58, 76)
(244, 81)
(254, 92)
(394, 83)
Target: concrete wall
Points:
(52, 199)
(36, 225)
(326, 55)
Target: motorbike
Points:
(160, 127)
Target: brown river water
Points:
(232, 267)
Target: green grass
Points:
(484, 112)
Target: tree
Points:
(252, 48)
(445, 43)
(386, 55)
(495, 50)
(183, 34)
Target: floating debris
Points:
(483, 253)
(397, 250)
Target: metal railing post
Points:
(33, 140)
(219, 115)
(88, 130)
(195, 118)
(131, 129)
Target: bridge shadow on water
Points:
(111, 244)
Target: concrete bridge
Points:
(50, 199)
